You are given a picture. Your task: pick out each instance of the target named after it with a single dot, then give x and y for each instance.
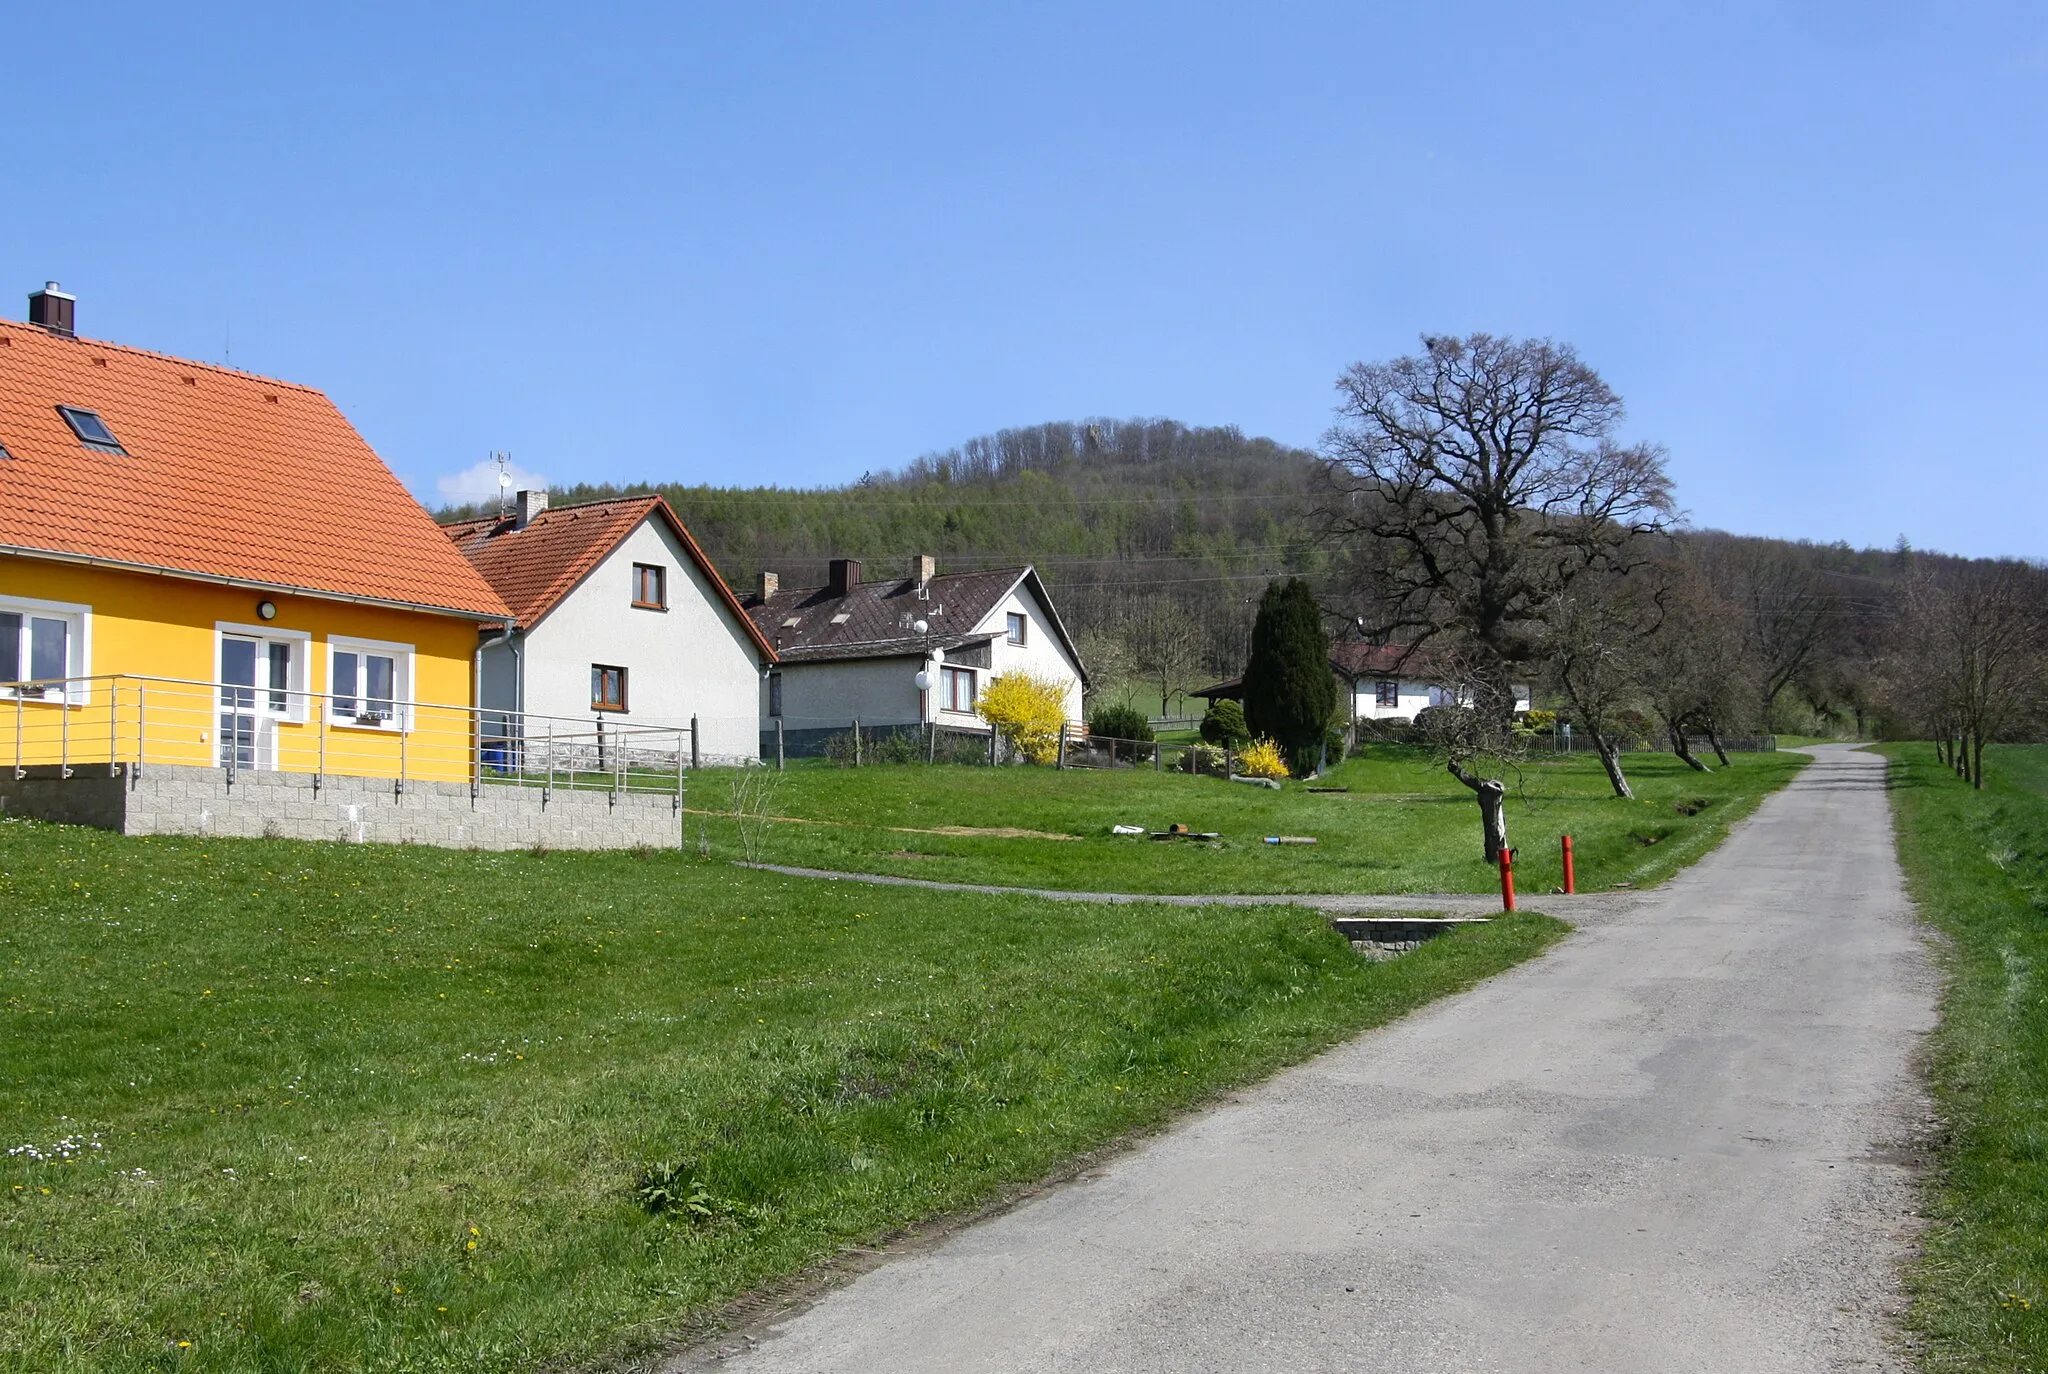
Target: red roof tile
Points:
(226, 475)
(535, 567)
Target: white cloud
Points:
(478, 483)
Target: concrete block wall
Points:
(166, 800)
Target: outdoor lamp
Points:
(266, 610)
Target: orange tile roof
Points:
(535, 567)
(227, 476)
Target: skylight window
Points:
(91, 430)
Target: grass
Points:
(278, 1106)
(1404, 825)
(1977, 865)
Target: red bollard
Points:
(1569, 885)
(1507, 880)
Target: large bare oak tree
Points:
(1472, 483)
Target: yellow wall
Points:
(164, 627)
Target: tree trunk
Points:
(1491, 794)
(1610, 759)
(1977, 748)
(1682, 747)
(1714, 738)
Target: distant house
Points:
(852, 650)
(1379, 685)
(619, 618)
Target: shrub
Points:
(1119, 720)
(1200, 758)
(1223, 723)
(1029, 711)
(1541, 722)
(1261, 759)
(1289, 692)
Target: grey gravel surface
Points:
(1677, 1142)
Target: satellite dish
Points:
(922, 627)
(504, 479)
(924, 681)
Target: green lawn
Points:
(1977, 864)
(1404, 826)
(292, 1107)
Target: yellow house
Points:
(200, 566)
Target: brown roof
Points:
(225, 476)
(535, 567)
(874, 619)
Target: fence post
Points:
(20, 765)
(1060, 759)
(1228, 766)
(399, 787)
(932, 751)
(141, 727)
(64, 733)
(320, 766)
(1158, 757)
(695, 752)
(548, 792)
(992, 746)
(778, 744)
(113, 727)
(679, 785)
(856, 742)
(476, 752)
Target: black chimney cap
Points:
(54, 310)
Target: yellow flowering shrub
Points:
(1261, 759)
(1027, 710)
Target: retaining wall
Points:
(163, 799)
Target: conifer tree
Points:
(1289, 691)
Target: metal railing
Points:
(116, 720)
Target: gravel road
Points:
(1681, 1141)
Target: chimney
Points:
(844, 576)
(53, 310)
(531, 503)
(921, 569)
(770, 584)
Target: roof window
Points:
(91, 430)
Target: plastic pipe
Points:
(1507, 880)
(1569, 884)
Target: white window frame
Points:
(401, 687)
(302, 664)
(77, 644)
(949, 674)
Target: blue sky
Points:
(779, 243)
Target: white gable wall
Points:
(693, 658)
(1042, 654)
(1415, 697)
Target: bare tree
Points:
(1472, 484)
(1785, 607)
(1968, 654)
(1593, 642)
(1165, 646)
(1695, 673)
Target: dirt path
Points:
(1673, 1144)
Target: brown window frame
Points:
(660, 603)
(1386, 693)
(950, 676)
(600, 674)
(1017, 627)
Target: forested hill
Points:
(1156, 540)
(1149, 527)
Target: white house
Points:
(853, 650)
(620, 618)
(1380, 684)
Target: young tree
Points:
(1592, 641)
(1165, 646)
(1968, 656)
(1289, 690)
(1695, 674)
(1782, 602)
(1472, 484)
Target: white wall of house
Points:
(1414, 697)
(692, 659)
(1041, 654)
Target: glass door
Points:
(237, 702)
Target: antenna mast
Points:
(504, 480)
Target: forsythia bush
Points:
(1261, 759)
(1027, 710)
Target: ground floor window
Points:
(607, 688)
(368, 683)
(956, 689)
(42, 643)
(1386, 692)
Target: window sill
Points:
(609, 710)
(649, 606)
